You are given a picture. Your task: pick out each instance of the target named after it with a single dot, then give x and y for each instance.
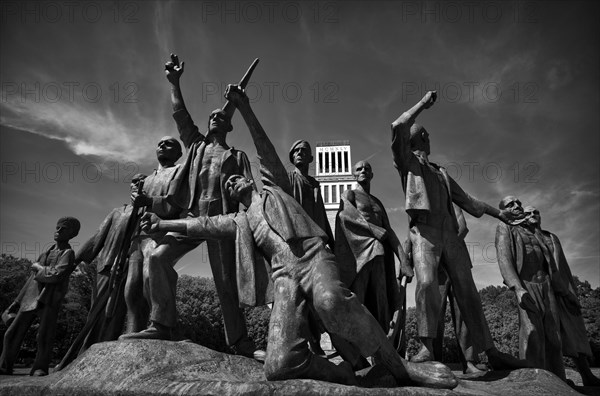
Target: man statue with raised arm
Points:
(199, 189)
(436, 233)
(304, 272)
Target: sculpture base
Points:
(151, 367)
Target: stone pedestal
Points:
(150, 367)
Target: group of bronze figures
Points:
(276, 246)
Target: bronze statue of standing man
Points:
(436, 233)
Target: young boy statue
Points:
(42, 296)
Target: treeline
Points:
(200, 318)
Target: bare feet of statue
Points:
(431, 375)
(424, 355)
(156, 331)
(472, 369)
(503, 361)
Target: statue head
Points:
(168, 150)
(219, 121)
(419, 138)
(533, 216)
(363, 173)
(66, 228)
(238, 187)
(300, 155)
(512, 203)
(136, 180)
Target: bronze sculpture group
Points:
(276, 245)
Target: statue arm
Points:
(87, 250)
(173, 71)
(273, 173)
(506, 258)
(214, 227)
(90, 248)
(401, 131)
(470, 204)
(63, 268)
(188, 131)
(403, 265)
(562, 280)
(245, 166)
(478, 208)
(507, 264)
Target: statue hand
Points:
(236, 95)
(173, 69)
(526, 301)
(429, 99)
(36, 267)
(139, 199)
(150, 223)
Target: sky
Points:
(84, 100)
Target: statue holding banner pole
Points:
(199, 190)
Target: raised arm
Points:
(401, 130)
(188, 131)
(173, 71)
(273, 173)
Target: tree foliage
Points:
(201, 319)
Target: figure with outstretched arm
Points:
(199, 189)
(434, 204)
(304, 272)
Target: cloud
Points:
(90, 131)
